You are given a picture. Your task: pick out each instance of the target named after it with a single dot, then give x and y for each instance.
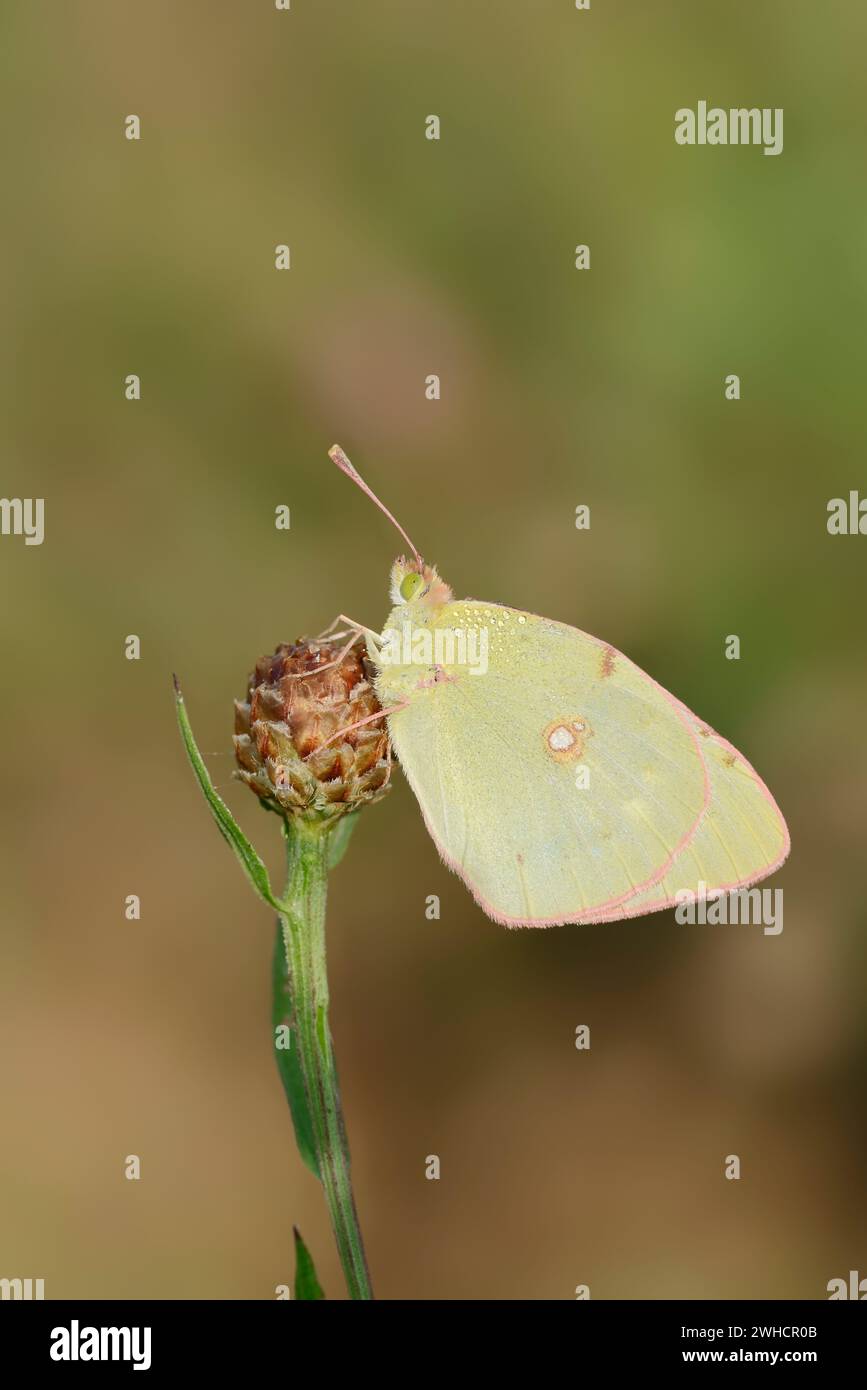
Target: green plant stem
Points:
(303, 925)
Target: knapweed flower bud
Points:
(297, 700)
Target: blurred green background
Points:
(605, 387)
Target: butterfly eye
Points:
(410, 585)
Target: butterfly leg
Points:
(359, 627)
(351, 626)
(303, 675)
(356, 630)
(371, 719)
(329, 634)
(372, 638)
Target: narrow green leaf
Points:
(306, 1283)
(289, 1059)
(231, 832)
(339, 837)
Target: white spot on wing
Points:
(561, 737)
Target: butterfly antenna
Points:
(336, 454)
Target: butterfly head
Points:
(412, 581)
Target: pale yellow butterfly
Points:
(561, 782)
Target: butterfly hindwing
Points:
(742, 837)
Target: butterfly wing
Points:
(565, 785)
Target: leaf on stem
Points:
(231, 832)
(307, 1285)
(289, 1059)
(338, 838)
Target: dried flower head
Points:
(285, 744)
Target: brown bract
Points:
(296, 702)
